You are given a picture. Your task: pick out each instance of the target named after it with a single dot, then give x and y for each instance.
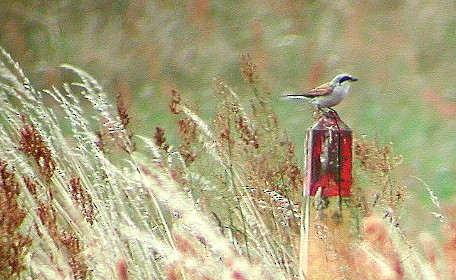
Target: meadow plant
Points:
(83, 197)
(87, 204)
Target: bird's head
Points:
(341, 78)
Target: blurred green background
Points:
(403, 52)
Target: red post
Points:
(329, 157)
(325, 230)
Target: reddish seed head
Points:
(33, 145)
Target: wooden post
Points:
(325, 230)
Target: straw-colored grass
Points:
(82, 197)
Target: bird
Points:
(328, 94)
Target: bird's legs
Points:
(335, 116)
(334, 111)
(330, 113)
(318, 113)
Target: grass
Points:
(84, 164)
(104, 203)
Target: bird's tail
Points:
(294, 96)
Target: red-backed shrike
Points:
(329, 94)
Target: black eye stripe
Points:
(345, 78)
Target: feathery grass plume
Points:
(385, 250)
(195, 239)
(33, 145)
(125, 121)
(222, 205)
(102, 215)
(254, 180)
(160, 139)
(12, 215)
(249, 69)
(113, 121)
(82, 198)
(375, 166)
(386, 253)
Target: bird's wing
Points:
(322, 90)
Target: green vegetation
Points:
(183, 163)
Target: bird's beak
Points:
(354, 79)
